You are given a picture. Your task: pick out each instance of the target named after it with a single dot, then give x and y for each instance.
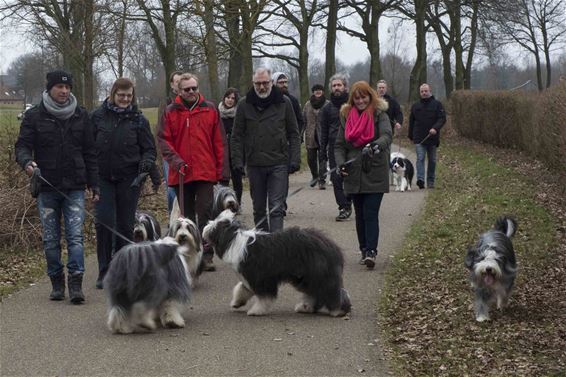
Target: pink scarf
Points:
(359, 128)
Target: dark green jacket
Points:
(377, 179)
(268, 137)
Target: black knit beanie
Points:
(58, 77)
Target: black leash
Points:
(83, 208)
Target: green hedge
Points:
(528, 121)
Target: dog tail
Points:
(507, 225)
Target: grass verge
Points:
(426, 313)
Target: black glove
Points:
(35, 183)
(343, 170)
(293, 168)
(145, 166)
(95, 191)
(241, 170)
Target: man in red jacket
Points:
(191, 141)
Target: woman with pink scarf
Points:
(362, 155)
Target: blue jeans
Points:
(268, 188)
(430, 151)
(367, 207)
(117, 210)
(51, 206)
(170, 190)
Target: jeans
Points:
(367, 219)
(115, 209)
(51, 205)
(170, 190)
(430, 151)
(268, 188)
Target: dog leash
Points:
(181, 172)
(115, 232)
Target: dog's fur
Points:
(147, 281)
(186, 233)
(224, 198)
(493, 267)
(306, 258)
(146, 227)
(403, 171)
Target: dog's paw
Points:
(237, 304)
(304, 307)
(482, 318)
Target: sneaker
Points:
(369, 260)
(344, 214)
(208, 265)
(420, 183)
(322, 185)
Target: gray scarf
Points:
(60, 111)
(226, 112)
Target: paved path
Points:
(42, 337)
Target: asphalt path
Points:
(39, 337)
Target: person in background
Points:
(266, 125)
(56, 141)
(174, 85)
(426, 119)
(329, 117)
(394, 110)
(191, 142)
(126, 149)
(317, 165)
(227, 109)
(365, 137)
(281, 80)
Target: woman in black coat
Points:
(126, 149)
(227, 109)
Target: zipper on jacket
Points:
(188, 122)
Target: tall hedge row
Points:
(530, 121)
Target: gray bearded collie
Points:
(147, 281)
(305, 258)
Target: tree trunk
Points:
(210, 50)
(456, 25)
(232, 20)
(330, 64)
(304, 90)
(372, 35)
(418, 73)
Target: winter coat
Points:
(377, 179)
(426, 114)
(394, 110)
(329, 120)
(269, 136)
(312, 125)
(298, 113)
(123, 141)
(192, 137)
(64, 150)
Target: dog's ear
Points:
(469, 260)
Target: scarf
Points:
(118, 110)
(339, 100)
(225, 112)
(60, 111)
(317, 102)
(359, 128)
(274, 97)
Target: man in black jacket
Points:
(56, 137)
(394, 109)
(426, 120)
(329, 117)
(265, 129)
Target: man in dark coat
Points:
(426, 120)
(56, 139)
(394, 110)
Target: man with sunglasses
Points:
(265, 129)
(191, 141)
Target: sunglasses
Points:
(190, 88)
(262, 83)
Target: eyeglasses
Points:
(190, 88)
(124, 95)
(281, 82)
(262, 83)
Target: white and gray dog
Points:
(147, 281)
(186, 233)
(305, 258)
(492, 265)
(224, 198)
(146, 227)
(403, 171)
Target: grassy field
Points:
(426, 311)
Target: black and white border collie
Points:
(403, 171)
(305, 258)
(146, 227)
(493, 268)
(147, 281)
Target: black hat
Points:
(317, 87)
(58, 77)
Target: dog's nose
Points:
(489, 270)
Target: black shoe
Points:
(430, 185)
(420, 183)
(344, 214)
(58, 287)
(369, 260)
(322, 185)
(209, 266)
(75, 282)
(99, 284)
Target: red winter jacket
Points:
(192, 137)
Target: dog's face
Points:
(225, 198)
(398, 165)
(145, 228)
(186, 233)
(485, 263)
(219, 233)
